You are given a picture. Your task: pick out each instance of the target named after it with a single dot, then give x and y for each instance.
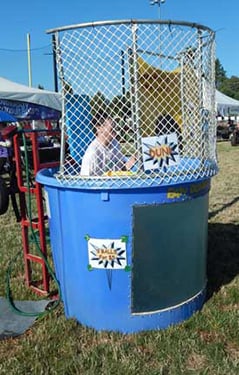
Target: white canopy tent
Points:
(14, 91)
(225, 104)
(27, 102)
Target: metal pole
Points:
(54, 62)
(63, 117)
(29, 60)
(200, 93)
(123, 73)
(123, 83)
(159, 2)
(135, 91)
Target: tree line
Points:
(120, 105)
(228, 86)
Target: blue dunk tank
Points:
(129, 240)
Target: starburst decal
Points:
(160, 152)
(107, 254)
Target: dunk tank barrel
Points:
(130, 247)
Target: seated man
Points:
(104, 154)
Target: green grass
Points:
(207, 343)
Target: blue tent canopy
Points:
(6, 117)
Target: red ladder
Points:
(38, 223)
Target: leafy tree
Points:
(99, 103)
(120, 106)
(230, 87)
(67, 87)
(220, 74)
(116, 106)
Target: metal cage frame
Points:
(162, 67)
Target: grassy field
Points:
(207, 343)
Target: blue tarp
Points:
(11, 324)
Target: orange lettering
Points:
(160, 152)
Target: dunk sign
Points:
(160, 152)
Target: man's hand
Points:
(131, 162)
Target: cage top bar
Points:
(129, 21)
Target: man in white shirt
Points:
(104, 154)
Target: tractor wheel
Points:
(4, 197)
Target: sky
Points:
(30, 17)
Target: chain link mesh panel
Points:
(138, 103)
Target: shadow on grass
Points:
(214, 213)
(223, 255)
